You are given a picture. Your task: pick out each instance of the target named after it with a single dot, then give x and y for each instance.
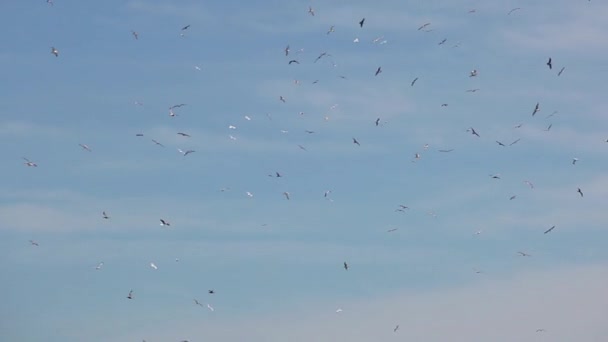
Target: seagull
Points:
(282, 99)
(396, 328)
(135, 35)
(377, 121)
(518, 126)
(472, 130)
(302, 148)
(157, 143)
(327, 192)
(139, 135)
(473, 73)
(548, 128)
(211, 292)
(496, 176)
(186, 152)
(286, 194)
(574, 160)
(323, 54)
(29, 163)
(392, 230)
(130, 296)
(529, 184)
(164, 223)
(443, 41)
(512, 197)
(536, 108)
(183, 134)
(379, 70)
(331, 29)
(293, 61)
(153, 266)
(311, 11)
(413, 82)
(55, 51)
(513, 10)
(361, 22)
(560, 71)
(185, 27)
(177, 105)
(356, 142)
(104, 215)
(197, 302)
(423, 26)
(580, 192)
(345, 266)
(549, 64)
(524, 254)
(249, 194)
(309, 131)
(85, 147)
(99, 266)
(472, 90)
(514, 142)
(549, 230)
(445, 151)
(499, 143)
(34, 243)
(210, 307)
(286, 50)
(339, 310)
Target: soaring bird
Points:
(361, 22)
(549, 64)
(423, 26)
(396, 328)
(157, 143)
(549, 230)
(135, 35)
(574, 160)
(294, 61)
(55, 51)
(580, 192)
(472, 130)
(356, 142)
(377, 121)
(499, 143)
(104, 215)
(413, 82)
(29, 163)
(34, 243)
(473, 73)
(185, 27)
(99, 266)
(130, 296)
(536, 108)
(85, 147)
(514, 142)
(164, 223)
(331, 29)
(311, 11)
(345, 266)
(524, 254)
(560, 71)
(379, 70)
(185, 153)
(211, 291)
(286, 194)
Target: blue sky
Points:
(276, 265)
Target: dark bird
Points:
(321, 56)
(499, 143)
(580, 192)
(379, 70)
(345, 266)
(55, 51)
(443, 41)
(524, 254)
(361, 22)
(512, 197)
(211, 292)
(287, 50)
(356, 142)
(377, 121)
(413, 82)
(135, 35)
(34, 243)
(185, 27)
(130, 296)
(472, 130)
(560, 72)
(104, 215)
(515, 142)
(294, 61)
(445, 151)
(549, 230)
(309, 132)
(164, 223)
(157, 143)
(536, 109)
(183, 134)
(549, 64)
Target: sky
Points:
(471, 258)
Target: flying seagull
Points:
(130, 296)
(513, 10)
(377, 121)
(396, 328)
(514, 142)
(311, 11)
(197, 302)
(331, 29)
(135, 35)
(549, 64)
(580, 192)
(184, 134)
(85, 147)
(445, 151)
(524, 254)
(560, 71)
(185, 27)
(211, 291)
(104, 215)
(413, 82)
(574, 160)
(323, 54)
(499, 143)
(423, 26)
(34, 243)
(164, 223)
(287, 50)
(536, 109)
(157, 143)
(286, 194)
(185, 153)
(153, 266)
(356, 142)
(55, 51)
(29, 163)
(345, 266)
(473, 73)
(361, 22)
(293, 61)
(99, 266)
(472, 130)
(379, 70)
(549, 230)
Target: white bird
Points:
(210, 307)
(231, 137)
(529, 184)
(85, 147)
(247, 118)
(185, 153)
(99, 266)
(473, 73)
(249, 194)
(153, 266)
(54, 51)
(339, 310)
(29, 163)
(232, 127)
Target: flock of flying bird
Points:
(172, 112)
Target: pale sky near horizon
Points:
(447, 268)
